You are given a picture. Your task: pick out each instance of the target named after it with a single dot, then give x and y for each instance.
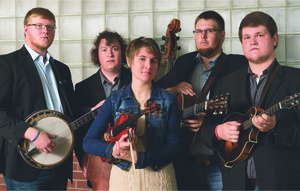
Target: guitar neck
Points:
(115, 131)
(270, 111)
(192, 110)
(84, 119)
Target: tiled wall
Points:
(79, 21)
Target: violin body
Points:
(98, 169)
(112, 139)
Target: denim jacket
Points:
(162, 132)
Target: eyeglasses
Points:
(41, 26)
(206, 31)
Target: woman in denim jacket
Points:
(155, 138)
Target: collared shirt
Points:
(256, 89)
(109, 87)
(199, 77)
(201, 74)
(47, 79)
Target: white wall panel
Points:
(80, 21)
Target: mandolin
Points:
(234, 153)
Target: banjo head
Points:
(55, 123)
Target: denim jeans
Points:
(47, 180)
(213, 177)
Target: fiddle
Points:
(170, 46)
(114, 133)
(99, 168)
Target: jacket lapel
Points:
(30, 66)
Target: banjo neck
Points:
(84, 119)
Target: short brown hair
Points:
(134, 47)
(39, 11)
(211, 15)
(110, 38)
(256, 19)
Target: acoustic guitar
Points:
(189, 106)
(234, 153)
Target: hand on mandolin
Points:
(264, 122)
(121, 149)
(229, 131)
(184, 88)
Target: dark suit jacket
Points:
(276, 156)
(89, 93)
(21, 93)
(182, 71)
(185, 64)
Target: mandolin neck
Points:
(270, 111)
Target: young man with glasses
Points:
(31, 80)
(196, 168)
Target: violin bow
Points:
(132, 158)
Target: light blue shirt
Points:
(48, 79)
(201, 74)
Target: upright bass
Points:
(170, 47)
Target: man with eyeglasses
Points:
(197, 167)
(31, 80)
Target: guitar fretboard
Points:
(192, 110)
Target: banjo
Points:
(55, 123)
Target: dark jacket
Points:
(21, 94)
(89, 93)
(276, 155)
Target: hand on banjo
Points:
(44, 142)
